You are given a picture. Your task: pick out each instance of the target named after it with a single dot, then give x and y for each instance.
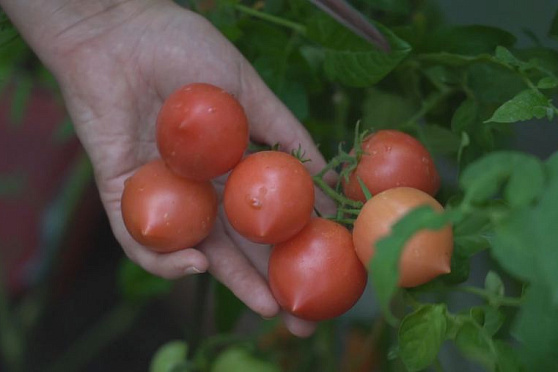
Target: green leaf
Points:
(474, 343)
(508, 358)
(493, 284)
(526, 105)
(493, 83)
(169, 356)
(483, 179)
(384, 268)
(381, 110)
(421, 335)
(465, 117)
(468, 40)
(136, 284)
(505, 56)
(439, 140)
(548, 82)
(238, 359)
(228, 308)
(536, 328)
(350, 59)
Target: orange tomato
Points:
(425, 256)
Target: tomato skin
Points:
(425, 256)
(316, 275)
(392, 159)
(165, 212)
(202, 131)
(269, 197)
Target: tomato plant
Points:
(202, 131)
(316, 275)
(269, 197)
(425, 256)
(391, 158)
(165, 212)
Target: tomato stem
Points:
(271, 18)
(329, 191)
(489, 296)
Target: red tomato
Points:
(425, 256)
(202, 131)
(269, 197)
(165, 212)
(392, 159)
(317, 275)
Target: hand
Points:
(115, 68)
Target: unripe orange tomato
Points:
(425, 256)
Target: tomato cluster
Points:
(317, 267)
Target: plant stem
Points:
(108, 329)
(334, 195)
(506, 301)
(271, 18)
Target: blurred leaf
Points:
(20, 99)
(169, 356)
(228, 308)
(64, 131)
(493, 320)
(350, 59)
(421, 334)
(238, 359)
(473, 342)
(553, 31)
(468, 40)
(536, 328)
(483, 179)
(381, 110)
(392, 6)
(547, 82)
(493, 83)
(136, 284)
(505, 56)
(439, 140)
(493, 284)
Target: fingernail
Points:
(191, 270)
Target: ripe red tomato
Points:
(165, 212)
(269, 197)
(425, 256)
(392, 159)
(202, 131)
(316, 275)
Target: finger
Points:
(231, 267)
(166, 265)
(272, 122)
(297, 326)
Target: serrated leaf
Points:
(528, 104)
(136, 284)
(384, 268)
(169, 356)
(503, 55)
(350, 59)
(536, 328)
(421, 335)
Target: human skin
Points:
(115, 62)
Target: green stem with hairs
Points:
(271, 18)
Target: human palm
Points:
(115, 69)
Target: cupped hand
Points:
(115, 68)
